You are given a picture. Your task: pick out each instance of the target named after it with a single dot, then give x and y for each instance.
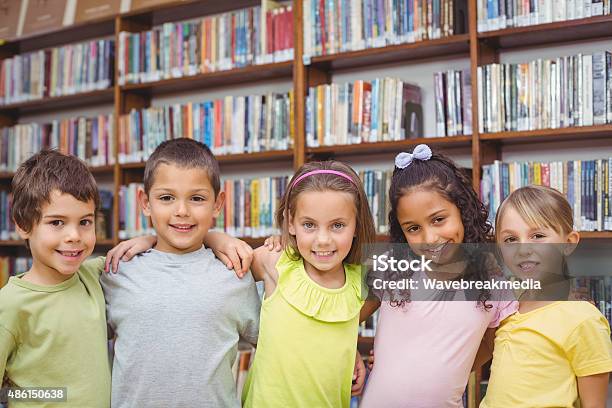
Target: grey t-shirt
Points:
(178, 319)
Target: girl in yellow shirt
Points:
(313, 292)
(550, 353)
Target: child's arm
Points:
(370, 306)
(485, 351)
(359, 373)
(593, 390)
(234, 253)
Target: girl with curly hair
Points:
(426, 347)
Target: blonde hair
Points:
(364, 230)
(539, 206)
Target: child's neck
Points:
(44, 275)
(331, 279)
(550, 293)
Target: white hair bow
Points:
(421, 152)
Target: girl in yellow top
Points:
(313, 292)
(550, 353)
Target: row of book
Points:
(332, 26)
(453, 95)
(7, 226)
(500, 14)
(230, 40)
(132, 222)
(90, 139)
(384, 109)
(376, 185)
(600, 291)
(250, 206)
(567, 91)
(13, 265)
(65, 70)
(586, 184)
(234, 124)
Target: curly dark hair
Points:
(442, 175)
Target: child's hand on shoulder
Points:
(234, 253)
(274, 243)
(126, 250)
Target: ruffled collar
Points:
(313, 300)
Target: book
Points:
(231, 125)
(453, 101)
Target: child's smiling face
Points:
(63, 238)
(324, 226)
(431, 224)
(532, 251)
(182, 206)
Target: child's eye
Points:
(308, 225)
(438, 220)
(509, 240)
(338, 225)
(86, 223)
(56, 223)
(166, 198)
(538, 236)
(413, 228)
(198, 199)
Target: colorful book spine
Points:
(500, 14)
(232, 125)
(11, 266)
(236, 39)
(453, 99)
(132, 222)
(66, 70)
(362, 111)
(90, 139)
(585, 183)
(568, 91)
(333, 26)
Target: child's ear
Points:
(572, 242)
(291, 227)
(219, 202)
(143, 199)
(22, 233)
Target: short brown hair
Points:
(42, 173)
(184, 153)
(365, 231)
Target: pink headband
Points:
(312, 173)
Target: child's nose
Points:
(72, 234)
(431, 237)
(182, 210)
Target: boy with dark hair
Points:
(52, 318)
(176, 311)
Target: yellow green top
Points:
(307, 341)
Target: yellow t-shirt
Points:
(539, 354)
(307, 341)
(55, 336)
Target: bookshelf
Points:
(479, 48)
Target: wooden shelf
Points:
(11, 243)
(592, 28)
(216, 79)
(366, 339)
(389, 147)
(58, 102)
(8, 176)
(105, 242)
(453, 45)
(254, 242)
(88, 30)
(102, 169)
(551, 135)
(596, 235)
(241, 158)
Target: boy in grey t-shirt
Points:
(177, 311)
